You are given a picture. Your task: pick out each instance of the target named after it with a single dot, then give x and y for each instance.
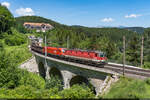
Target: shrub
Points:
(77, 92)
(9, 74)
(28, 78)
(129, 88)
(54, 81)
(15, 38)
(1, 46)
(146, 65)
(26, 92)
(17, 53)
(147, 81)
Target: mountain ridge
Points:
(38, 19)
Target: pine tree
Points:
(133, 51)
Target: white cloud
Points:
(7, 4)
(132, 16)
(25, 11)
(107, 20)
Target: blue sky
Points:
(91, 13)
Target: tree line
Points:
(108, 40)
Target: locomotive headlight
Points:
(95, 60)
(102, 60)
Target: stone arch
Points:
(42, 70)
(79, 80)
(56, 72)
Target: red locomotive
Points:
(84, 56)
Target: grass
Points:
(18, 53)
(129, 88)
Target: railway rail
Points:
(128, 69)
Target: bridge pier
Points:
(67, 77)
(47, 72)
(97, 83)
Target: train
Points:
(90, 57)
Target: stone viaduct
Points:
(72, 73)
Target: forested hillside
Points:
(112, 33)
(108, 40)
(139, 30)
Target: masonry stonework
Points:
(68, 72)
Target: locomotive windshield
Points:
(101, 55)
(63, 50)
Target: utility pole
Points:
(68, 42)
(45, 50)
(124, 49)
(142, 51)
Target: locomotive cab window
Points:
(63, 50)
(101, 55)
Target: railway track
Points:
(129, 70)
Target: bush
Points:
(9, 74)
(15, 38)
(1, 46)
(146, 65)
(77, 92)
(18, 52)
(147, 81)
(26, 92)
(129, 88)
(28, 78)
(53, 82)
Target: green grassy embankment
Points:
(129, 88)
(19, 53)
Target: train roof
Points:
(95, 51)
(87, 50)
